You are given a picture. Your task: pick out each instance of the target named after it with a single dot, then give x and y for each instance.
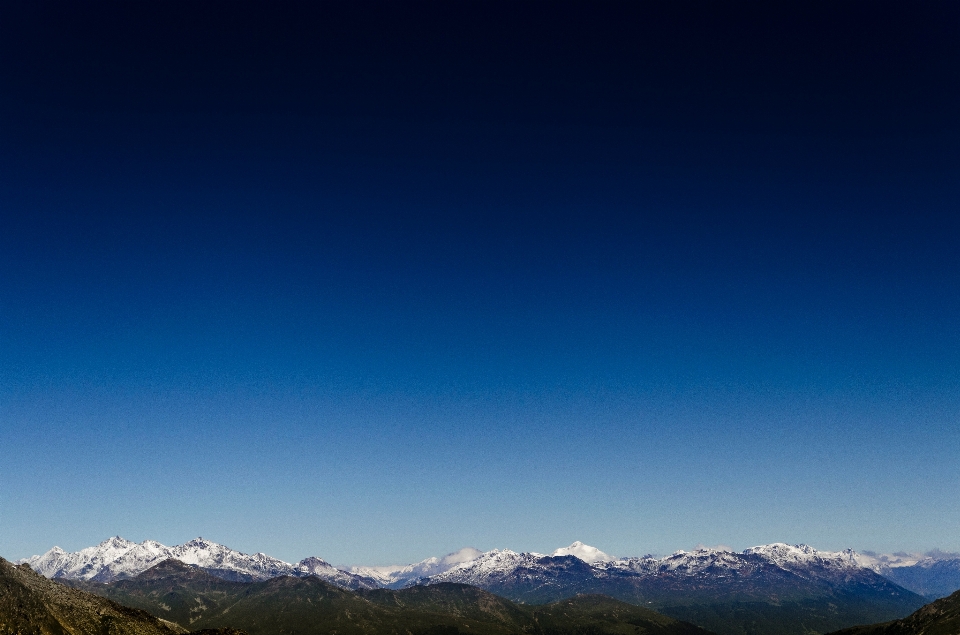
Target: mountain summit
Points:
(584, 552)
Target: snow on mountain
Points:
(788, 557)
(486, 569)
(679, 563)
(398, 576)
(220, 560)
(117, 558)
(493, 567)
(764, 575)
(584, 552)
(326, 571)
(111, 559)
(805, 556)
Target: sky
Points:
(375, 282)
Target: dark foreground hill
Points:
(33, 605)
(941, 617)
(309, 606)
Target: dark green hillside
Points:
(195, 599)
(586, 614)
(458, 600)
(171, 590)
(829, 611)
(941, 617)
(304, 606)
(33, 605)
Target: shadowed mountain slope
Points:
(941, 617)
(930, 578)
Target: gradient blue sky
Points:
(376, 282)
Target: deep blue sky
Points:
(377, 281)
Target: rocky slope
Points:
(31, 604)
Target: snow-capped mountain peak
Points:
(117, 558)
(489, 567)
(584, 552)
(91, 563)
(799, 559)
(791, 556)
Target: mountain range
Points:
(190, 598)
(775, 588)
(172, 597)
(117, 559)
(932, 575)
